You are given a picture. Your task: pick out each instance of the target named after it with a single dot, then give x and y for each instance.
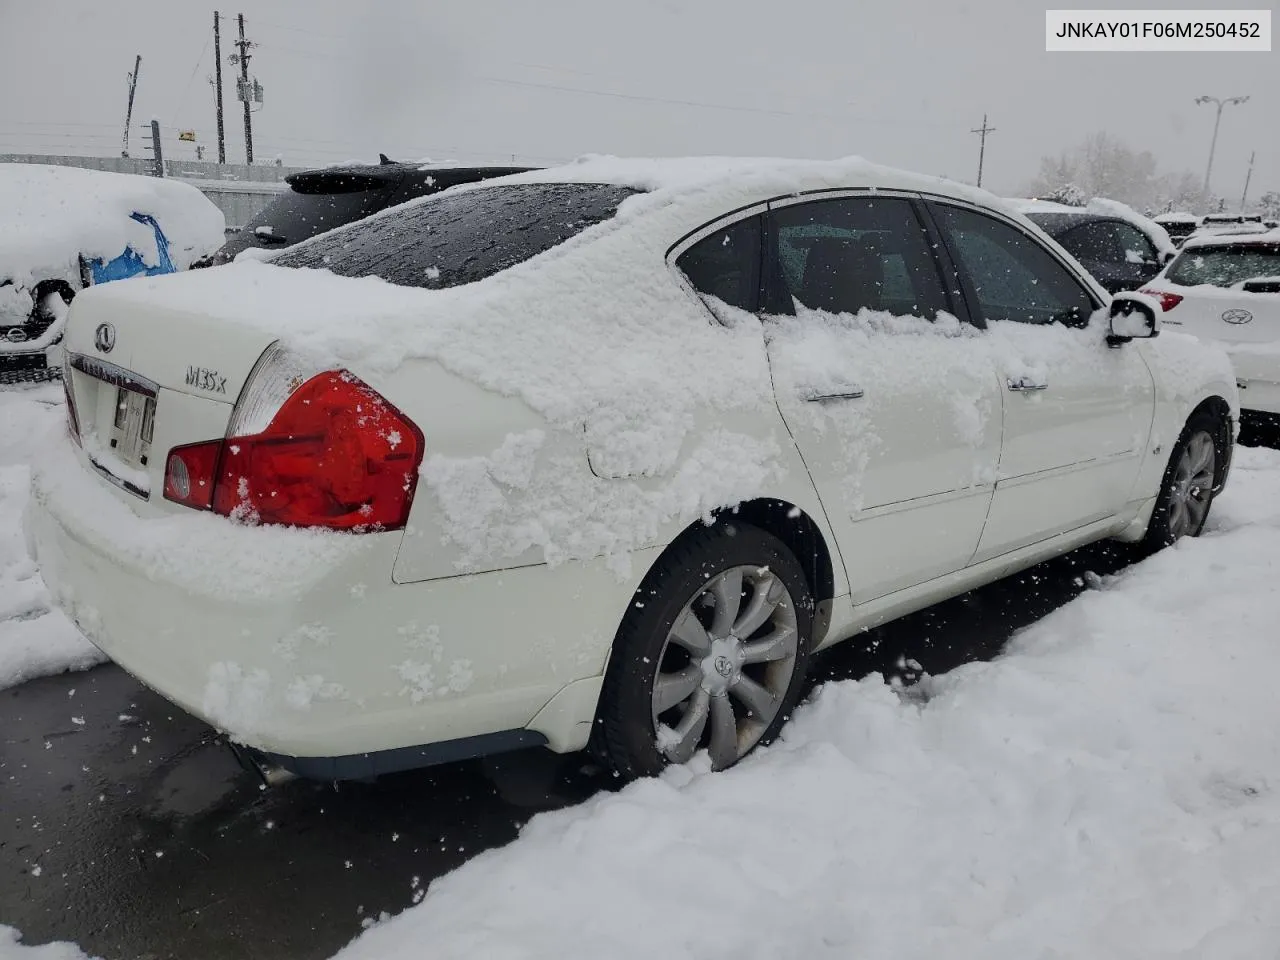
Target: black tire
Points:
(1163, 530)
(626, 734)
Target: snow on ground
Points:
(1108, 788)
(12, 949)
(35, 640)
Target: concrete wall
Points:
(240, 191)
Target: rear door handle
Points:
(855, 394)
(1026, 384)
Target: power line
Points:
(194, 70)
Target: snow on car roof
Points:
(765, 176)
(53, 215)
(1176, 217)
(1232, 238)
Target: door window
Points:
(853, 253)
(1092, 241)
(1013, 276)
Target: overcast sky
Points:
(898, 82)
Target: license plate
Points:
(134, 420)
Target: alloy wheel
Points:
(725, 667)
(1192, 488)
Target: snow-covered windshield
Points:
(1225, 266)
(460, 238)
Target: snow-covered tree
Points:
(1102, 166)
(1269, 204)
(1069, 194)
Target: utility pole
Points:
(155, 147)
(217, 85)
(1213, 144)
(128, 113)
(1247, 177)
(245, 91)
(982, 144)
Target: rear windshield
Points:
(458, 238)
(293, 217)
(1225, 266)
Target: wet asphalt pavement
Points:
(128, 828)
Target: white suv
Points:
(598, 455)
(1225, 289)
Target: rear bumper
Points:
(338, 672)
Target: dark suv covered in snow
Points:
(320, 200)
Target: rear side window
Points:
(726, 264)
(1226, 265)
(453, 238)
(296, 216)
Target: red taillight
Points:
(335, 455)
(1167, 300)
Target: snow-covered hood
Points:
(53, 215)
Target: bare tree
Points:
(1103, 166)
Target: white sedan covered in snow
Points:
(598, 455)
(1225, 289)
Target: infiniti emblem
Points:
(1236, 316)
(104, 338)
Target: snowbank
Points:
(52, 215)
(1108, 788)
(12, 949)
(35, 638)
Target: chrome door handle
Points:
(854, 394)
(1025, 384)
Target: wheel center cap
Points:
(722, 666)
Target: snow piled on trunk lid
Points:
(1107, 788)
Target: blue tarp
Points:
(130, 263)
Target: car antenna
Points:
(384, 159)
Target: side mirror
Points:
(1134, 316)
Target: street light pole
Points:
(1213, 144)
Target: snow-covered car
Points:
(1121, 248)
(67, 228)
(1223, 224)
(1225, 289)
(597, 456)
(330, 197)
(1179, 225)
